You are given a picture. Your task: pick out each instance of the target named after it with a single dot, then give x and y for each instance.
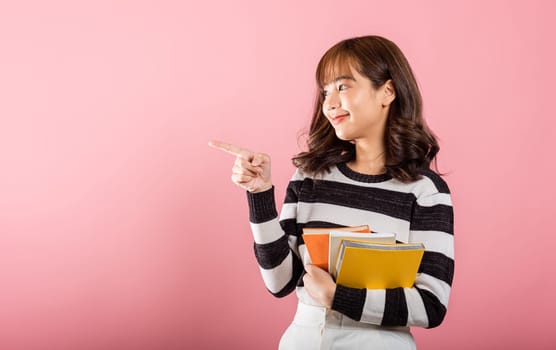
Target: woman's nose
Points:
(331, 102)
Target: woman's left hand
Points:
(319, 285)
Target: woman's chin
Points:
(342, 136)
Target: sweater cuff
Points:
(349, 301)
(262, 207)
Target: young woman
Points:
(368, 161)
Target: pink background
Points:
(120, 228)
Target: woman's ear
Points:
(389, 93)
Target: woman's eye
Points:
(342, 87)
(324, 93)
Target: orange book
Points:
(317, 242)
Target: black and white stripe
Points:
(420, 211)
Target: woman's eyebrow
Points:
(344, 77)
(341, 77)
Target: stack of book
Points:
(359, 258)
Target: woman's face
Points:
(355, 109)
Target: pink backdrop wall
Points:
(120, 228)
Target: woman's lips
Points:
(338, 119)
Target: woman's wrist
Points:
(330, 297)
(263, 188)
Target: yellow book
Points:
(378, 266)
(336, 238)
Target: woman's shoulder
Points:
(300, 174)
(433, 179)
(335, 173)
(430, 183)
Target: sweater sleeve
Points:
(425, 304)
(276, 239)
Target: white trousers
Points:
(319, 328)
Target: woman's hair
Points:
(408, 142)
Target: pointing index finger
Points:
(231, 149)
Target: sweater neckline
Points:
(344, 169)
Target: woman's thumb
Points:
(309, 268)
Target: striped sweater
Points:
(419, 211)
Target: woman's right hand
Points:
(251, 170)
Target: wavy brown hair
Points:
(409, 144)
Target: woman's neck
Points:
(369, 158)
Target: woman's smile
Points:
(338, 119)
